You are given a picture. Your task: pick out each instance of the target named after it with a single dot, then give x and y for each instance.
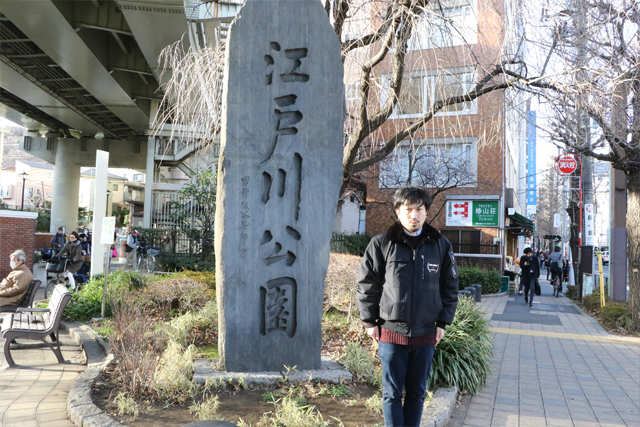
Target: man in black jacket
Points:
(530, 273)
(407, 294)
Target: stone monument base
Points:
(331, 372)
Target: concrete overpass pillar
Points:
(148, 185)
(66, 188)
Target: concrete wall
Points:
(17, 231)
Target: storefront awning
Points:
(518, 221)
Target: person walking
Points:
(130, 249)
(407, 295)
(530, 266)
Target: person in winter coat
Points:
(58, 240)
(16, 283)
(530, 273)
(407, 295)
(73, 250)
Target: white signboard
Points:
(557, 220)
(459, 213)
(108, 228)
(588, 225)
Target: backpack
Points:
(555, 262)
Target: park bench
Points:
(37, 323)
(27, 298)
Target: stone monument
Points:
(279, 177)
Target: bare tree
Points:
(595, 46)
(384, 42)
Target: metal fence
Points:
(165, 206)
(337, 244)
(469, 248)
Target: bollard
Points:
(464, 294)
(478, 292)
(473, 290)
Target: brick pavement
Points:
(35, 393)
(554, 366)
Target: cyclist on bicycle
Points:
(555, 265)
(73, 249)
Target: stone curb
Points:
(80, 406)
(439, 411)
(84, 413)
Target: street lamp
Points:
(108, 193)
(23, 175)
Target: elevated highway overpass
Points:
(83, 76)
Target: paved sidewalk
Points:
(554, 366)
(35, 393)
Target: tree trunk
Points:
(633, 244)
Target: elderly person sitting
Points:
(17, 282)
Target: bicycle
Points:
(146, 258)
(556, 283)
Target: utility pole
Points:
(618, 197)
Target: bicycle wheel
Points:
(139, 262)
(151, 263)
(48, 290)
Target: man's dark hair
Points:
(60, 228)
(557, 249)
(74, 233)
(411, 196)
(528, 250)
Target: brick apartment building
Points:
(475, 147)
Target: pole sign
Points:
(557, 220)
(566, 164)
(108, 228)
(473, 213)
(532, 196)
(588, 225)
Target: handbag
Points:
(537, 288)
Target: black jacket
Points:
(408, 291)
(526, 273)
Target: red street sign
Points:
(566, 164)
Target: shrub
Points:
(490, 280)
(137, 345)
(172, 377)
(591, 302)
(172, 262)
(87, 302)
(341, 281)
(361, 365)
(288, 414)
(356, 244)
(463, 357)
(174, 296)
(205, 276)
(195, 327)
(612, 311)
(126, 405)
(572, 292)
(207, 409)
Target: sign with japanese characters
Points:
(473, 213)
(589, 220)
(279, 176)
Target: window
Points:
(114, 187)
(4, 191)
(421, 90)
(352, 91)
(436, 163)
(138, 177)
(464, 241)
(446, 25)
